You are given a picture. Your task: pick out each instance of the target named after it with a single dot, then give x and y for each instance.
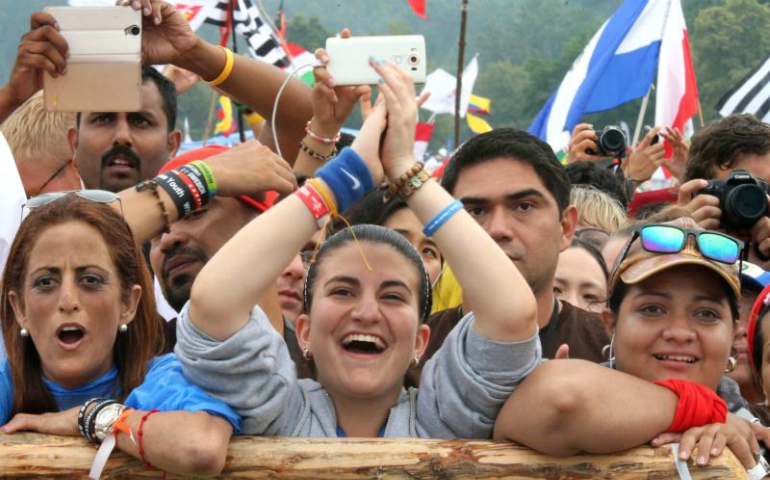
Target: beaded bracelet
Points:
(82, 416)
(152, 185)
(321, 158)
(140, 434)
(320, 138)
(408, 183)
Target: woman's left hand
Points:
(711, 440)
(398, 90)
(55, 423)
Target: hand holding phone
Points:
(349, 57)
(104, 71)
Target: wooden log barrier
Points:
(31, 455)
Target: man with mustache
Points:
(117, 150)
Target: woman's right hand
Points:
(367, 142)
(711, 440)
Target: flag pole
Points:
(460, 62)
(700, 113)
(210, 119)
(235, 105)
(640, 118)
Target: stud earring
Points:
(123, 328)
(24, 333)
(731, 364)
(306, 353)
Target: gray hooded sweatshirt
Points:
(462, 390)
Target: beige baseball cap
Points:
(640, 264)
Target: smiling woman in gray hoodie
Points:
(366, 298)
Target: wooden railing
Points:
(30, 455)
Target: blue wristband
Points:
(442, 217)
(348, 177)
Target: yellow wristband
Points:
(229, 61)
(324, 194)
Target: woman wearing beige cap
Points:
(672, 306)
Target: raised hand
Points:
(367, 143)
(583, 137)
(703, 208)
(398, 91)
(332, 104)
(678, 160)
(42, 49)
(645, 159)
(250, 168)
(166, 35)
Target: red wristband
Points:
(697, 405)
(315, 203)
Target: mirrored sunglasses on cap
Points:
(669, 239)
(98, 196)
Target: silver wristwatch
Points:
(106, 419)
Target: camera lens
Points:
(745, 204)
(414, 59)
(133, 30)
(613, 140)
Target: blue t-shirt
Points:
(165, 388)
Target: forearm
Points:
(8, 104)
(503, 303)
(294, 108)
(306, 164)
(144, 214)
(568, 406)
(229, 285)
(188, 443)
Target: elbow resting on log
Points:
(32, 455)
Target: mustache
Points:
(176, 251)
(121, 151)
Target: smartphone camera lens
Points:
(414, 59)
(133, 30)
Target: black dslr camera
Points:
(611, 142)
(742, 199)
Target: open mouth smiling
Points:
(363, 344)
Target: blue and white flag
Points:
(617, 65)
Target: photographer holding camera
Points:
(725, 181)
(640, 163)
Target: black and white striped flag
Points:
(261, 39)
(750, 95)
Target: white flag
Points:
(443, 89)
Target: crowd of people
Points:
(162, 303)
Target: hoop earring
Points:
(731, 364)
(24, 333)
(123, 328)
(306, 354)
(415, 361)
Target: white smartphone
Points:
(349, 57)
(104, 70)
